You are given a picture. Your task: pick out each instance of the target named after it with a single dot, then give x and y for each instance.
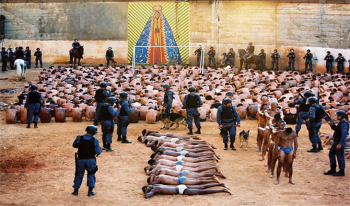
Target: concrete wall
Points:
(268, 24)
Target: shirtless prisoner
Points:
(261, 126)
(170, 180)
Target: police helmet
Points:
(224, 53)
(291, 50)
(3, 48)
(312, 100)
(33, 87)
(227, 101)
(27, 47)
(191, 89)
(229, 94)
(111, 100)
(341, 113)
(308, 50)
(91, 129)
(340, 54)
(166, 86)
(123, 95)
(109, 47)
(20, 47)
(75, 39)
(103, 85)
(37, 48)
(308, 94)
(250, 43)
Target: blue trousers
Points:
(340, 68)
(82, 165)
(33, 109)
(262, 64)
(314, 128)
(273, 63)
(12, 62)
(308, 63)
(337, 153)
(107, 127)
(122, 125)
(212, 59)
(29, 62)
(108, 59)
(302, 116)
(226, 131)
(198, 60)
(4, 64)
(329, 67)
(193, 113)
(232, 62)
(98, 108)
(40, 60)
(291, 64)
(168, 107)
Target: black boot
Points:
(124, 140)
(198, 131)
(232, 146)
(96, 123)
(331, 171)
(339, 173)
(225, 148)
(190, 132)
(109, 149)
(319, 147)
(91, 193)
(35, 125)
(28, 126)
(297, 133)
(75, 192)
(314, 148)
(119, 137)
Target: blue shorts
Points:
(182, 179)
(286, 150)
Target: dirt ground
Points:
(37, 168)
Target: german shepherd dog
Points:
(244, 137)
(172, 118)
(113, 63)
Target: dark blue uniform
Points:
(28, 57)
(225, 60)
(231, 58)
(263, 60)
(100, 98)
(168, 101)
(316, 114)
(303, 113)
(109, 56)
(329, 63)
(4, 57)
(88, 148)
(12, 59)
(33, 104)
(20, 54)
(340, 64)
(123, 118)
(340, 133)
(75, 45)
(308, 61)
(38, 57)
(192, 102)
(211, 54)
(228, 116)
(291, 61)
(275, 57)
(107, 114)
(198, 52)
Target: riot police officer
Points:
(28, 56)
(198, 53)
(316, 113)
(329, 62)
(100, 98)
(303, 113)
(337, 150)
(168, 98)
(308, 60)
(291, 60)
(88, 149)
(33, 104)
(123, 118)
(107, 114)
(38, 58)
(75, 45)
(231, 57)
(211, 55)
(19, 53)
(4, 58)
(224, 59)
(109, 55)
(228, 119)
(191, 102)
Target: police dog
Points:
(113, 63)
(244, 137)
(172, 118)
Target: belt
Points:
(227, 121)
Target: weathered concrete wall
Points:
(268, 24)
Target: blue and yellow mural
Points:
(158, 24)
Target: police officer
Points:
(88, 149)
(107, 114)
(19, 53)
(340, 133)
(231, 57)
(316, 113)
(225, 59)
(308, 60)
(262, 56)
(291, 61)
(228, 119)
(329, 62)
(304, 109)
(4, 57)
(340, 63)
(109, 55)
(275, 56)
(211, 54)
(198, 52)
(168, 98)
(191, 102)
(75, 45)
(28, 56)
(38, 57)
(229, 95)
(12, 58)
(123, 118)
(33, 104)
(250, 51)
(100, 98)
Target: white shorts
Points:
(181, 189)
(179, 158)
(174, 140)
(178, 168)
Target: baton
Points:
(235, 125)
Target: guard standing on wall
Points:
(85, 159)
(198, 52)
(275, 56)
(38, 57)
(308, 60)
(329, 62)
(231, 57)
(4, 57)
(100, 98)
(211, 54)
(168, 98)
(123, 118)
(28, 56)
(33, 104)
(191, 102)
(291, 61)
(340, 63)
(109, 55)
